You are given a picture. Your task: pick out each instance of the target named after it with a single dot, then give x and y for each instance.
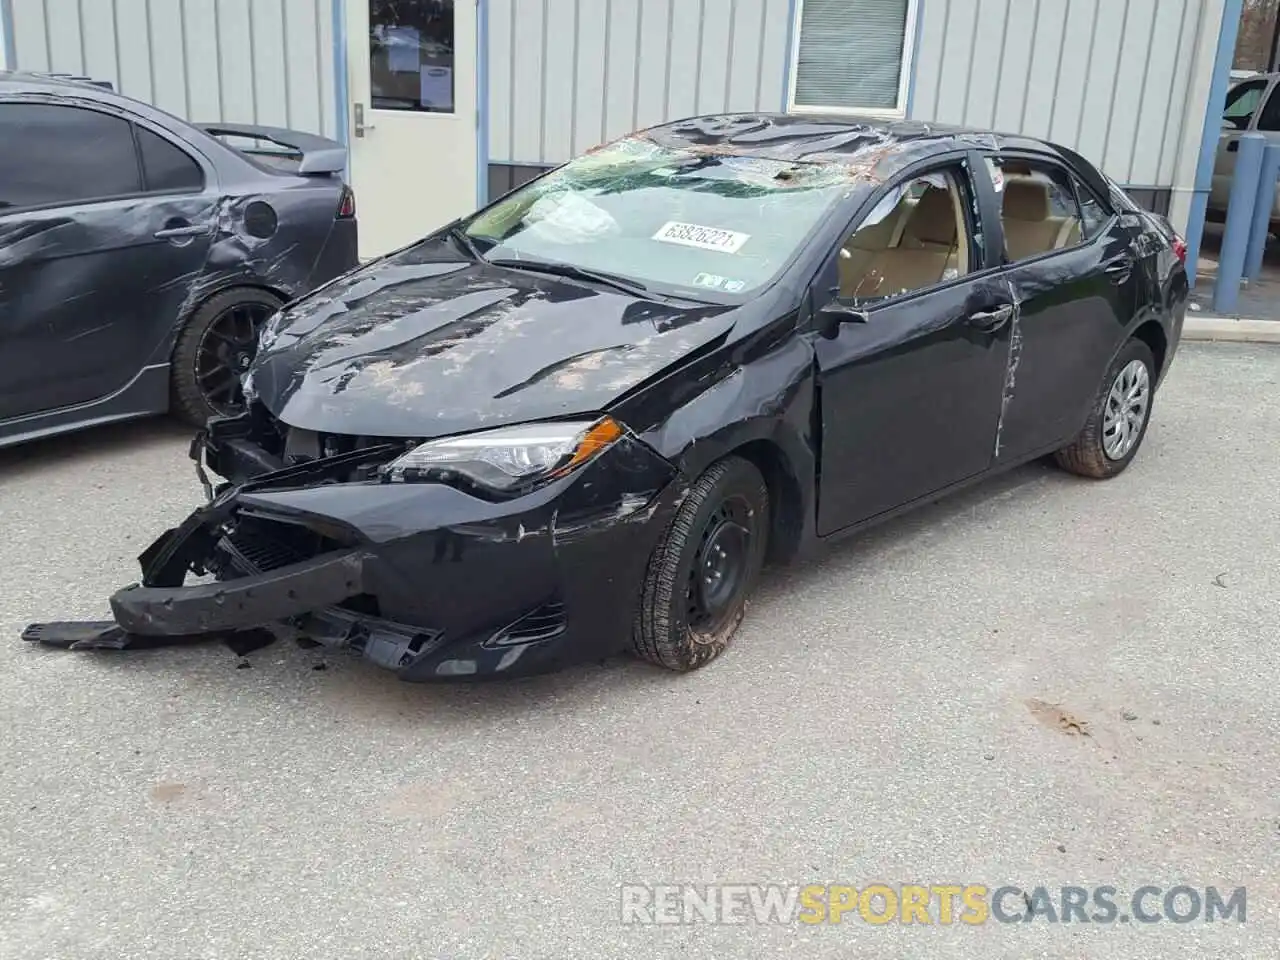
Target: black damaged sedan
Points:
(582, 419)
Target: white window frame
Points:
(904, 81)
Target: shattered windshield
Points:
(665, 217)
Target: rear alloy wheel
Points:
(695, 590)
(214, 350)
(1118, 423)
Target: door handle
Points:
(1119, 271)
(992, 320)
(357, 113)
(1233, 146)
(182, 232)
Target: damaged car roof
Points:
(881, 148)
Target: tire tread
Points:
(655, 636)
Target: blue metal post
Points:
(8, 45)
(341, 99)
(482, 103)
(1228, 30)
(1235, 239)
(1263, 207)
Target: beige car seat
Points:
(929, 247)
(1030, 229)
(863, 248)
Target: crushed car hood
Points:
(412, 346)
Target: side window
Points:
(1242, 101)
(167, 169)
(1269, 120)
(53, 155)
(1038, 209)
(1093, 214)
(918, 236)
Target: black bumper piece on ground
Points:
(420, 578)
(243, 602)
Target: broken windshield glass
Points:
(678, 218)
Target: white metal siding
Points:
(566, 75)
(1124, 82)
(245, 61)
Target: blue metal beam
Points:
(341, 96)
(482, 102)
(1227, 35)
(915, 59)
(8, 46)
(787, 64)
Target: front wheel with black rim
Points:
(215, 348)
(696, 586)
(1118, 422)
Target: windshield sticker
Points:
(704, 238)
(719, 283)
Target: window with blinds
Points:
(851, 54)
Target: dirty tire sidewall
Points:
(187, 400)
(1085, 455)
(662, 633)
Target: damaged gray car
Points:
(140, 254)
(582, 419)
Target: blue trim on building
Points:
(1229, 32)
(482, 103)
(341, 98)
(915, 59)
(9, 51)
(787, 65)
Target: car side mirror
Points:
(839, 312)
(835, 315)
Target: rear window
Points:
(168, 169)
(679, 218)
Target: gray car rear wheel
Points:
(215, 348)
(1118, 422)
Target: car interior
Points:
(1038, 213)
(924, 239)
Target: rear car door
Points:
(910, 393)
(104, 226)
(1077, 279)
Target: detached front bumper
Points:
(421, 578)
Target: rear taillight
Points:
(1180, 249)
(347, 206)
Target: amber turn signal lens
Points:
(593, 441)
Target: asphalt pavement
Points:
(1042, 681)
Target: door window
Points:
(1038, 208)
(917, 236)
(1242, 101)
(58, 155)
(411, 65)
(167, 168)
(1093, 214)
(1269, 120)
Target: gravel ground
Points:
(1040, 681)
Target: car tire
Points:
(220, 335)
(721, 531)
(1112, 436)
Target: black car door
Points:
(1077, 281)
(104, 226)
(910, 388)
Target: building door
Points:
(414, 121)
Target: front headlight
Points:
(510, 459)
